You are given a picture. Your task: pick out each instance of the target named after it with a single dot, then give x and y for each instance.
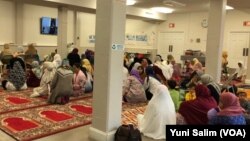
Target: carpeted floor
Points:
(26, 118)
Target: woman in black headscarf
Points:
(74, 57)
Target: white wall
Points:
(190, 24)
(87, 28)
(234, 23)
(140, 27)
(7, 22)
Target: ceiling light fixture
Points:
(229, 7)
(162, 9)
(130, 2)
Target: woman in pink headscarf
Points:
(231, 113)
(195, 111)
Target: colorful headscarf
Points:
(230, 105)
(17, 75)
(86, 64)
(195, 111)
(136, 74)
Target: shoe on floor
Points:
(35, 94)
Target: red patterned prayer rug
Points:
(130, 112)
(38, 122)
(17, 100)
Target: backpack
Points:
(127, 133)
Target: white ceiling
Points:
(183, 6)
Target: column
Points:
(215, 38)
(247, 81)
(109, 46)
(62, 32)
(19, 23)
(76, 30)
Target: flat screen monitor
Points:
(49, 26)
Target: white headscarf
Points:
(207, 79)
(57, 60)
(159, 113)
(241, 71)
(49, 72)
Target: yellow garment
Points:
(224, 59)
(190, 96)
(87, 65)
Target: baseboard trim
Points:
(98, 135)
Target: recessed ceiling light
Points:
(162, 9)
(130, 2)
(229, 7)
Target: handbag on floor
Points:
(127, 133)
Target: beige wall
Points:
(189, 23)
(31, 25)
(7, 24)
(234, 22)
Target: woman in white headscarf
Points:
(240, 72)
(57, 60)
(159, 113)
(214, 88)
(48, 75)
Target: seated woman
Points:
(48, 74)
(160, 112)
(133, 90)
(142, 73)
(88, 87)
(194, 79)
(245, 104)
(195, 111)
(176, 72)
(79, 80)
(31, 54)
(175, 95)
(60, 87)
(6, 50)
(57, 60)
(231, 113)
(86, 64)
(197, 66)
(214, 88)
(16, 78)
(240, 72)
(34, 75)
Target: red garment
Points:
(231, 105)
(32, 80)
(195, 111)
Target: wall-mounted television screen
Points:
(49, 25)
